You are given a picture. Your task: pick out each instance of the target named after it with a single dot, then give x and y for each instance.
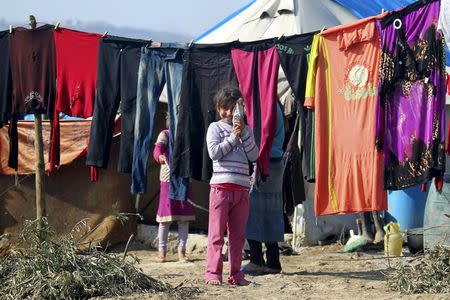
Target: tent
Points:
(263, 19)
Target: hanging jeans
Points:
(256, 68)
(293, 53)
(158, 67)
(118, 64)
(206, 70)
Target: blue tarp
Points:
(367, 8)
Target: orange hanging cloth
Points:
(342, 89)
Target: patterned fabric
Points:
(162, 142)
(230, 154)
(411, 105)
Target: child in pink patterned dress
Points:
(170, 210)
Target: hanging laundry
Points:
(76, 74)
(117, 74)
(158, 67)
(299, 160)
(411, 107)
(444, 27)
(256, 65)
(32, 59)
(342, 89)
(294, 53)
(5, 79)
(206, 69)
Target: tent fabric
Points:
(364, 9)
(262, 19)
(70, 198)
(228, 18)
(74, 140)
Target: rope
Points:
(197, 206)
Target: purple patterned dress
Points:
(169, 210)
(411, 105)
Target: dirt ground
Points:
(314, 273)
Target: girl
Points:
(230, 145)
(170, 210)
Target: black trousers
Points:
(5, 79)
(117, 75)
(206, 69)
(293, 53)
(272, 254)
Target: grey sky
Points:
(190, 17)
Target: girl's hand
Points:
(162, 159)
(238, 127)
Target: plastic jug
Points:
(393, 239)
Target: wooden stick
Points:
(39, 158)
(126, 247)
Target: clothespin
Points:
(154, 44)
(105, 34)
(10, 29)
(191, 42)
(323, 28)
(57, 26)
(382, 11)
(282, 35)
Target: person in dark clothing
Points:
(266, 221)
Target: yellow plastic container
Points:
(393, 239)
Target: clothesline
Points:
(102, 73)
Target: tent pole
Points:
(39, 158)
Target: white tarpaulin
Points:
(264, 19)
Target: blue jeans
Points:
(158, 67)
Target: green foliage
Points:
(52, 268)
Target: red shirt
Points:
(76, 71)
(76, 76)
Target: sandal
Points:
(213, 282)
(252, 269)
(243, 282)
(161, 257)
(267, 270)
(182, 257)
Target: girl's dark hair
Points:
(227, 97)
